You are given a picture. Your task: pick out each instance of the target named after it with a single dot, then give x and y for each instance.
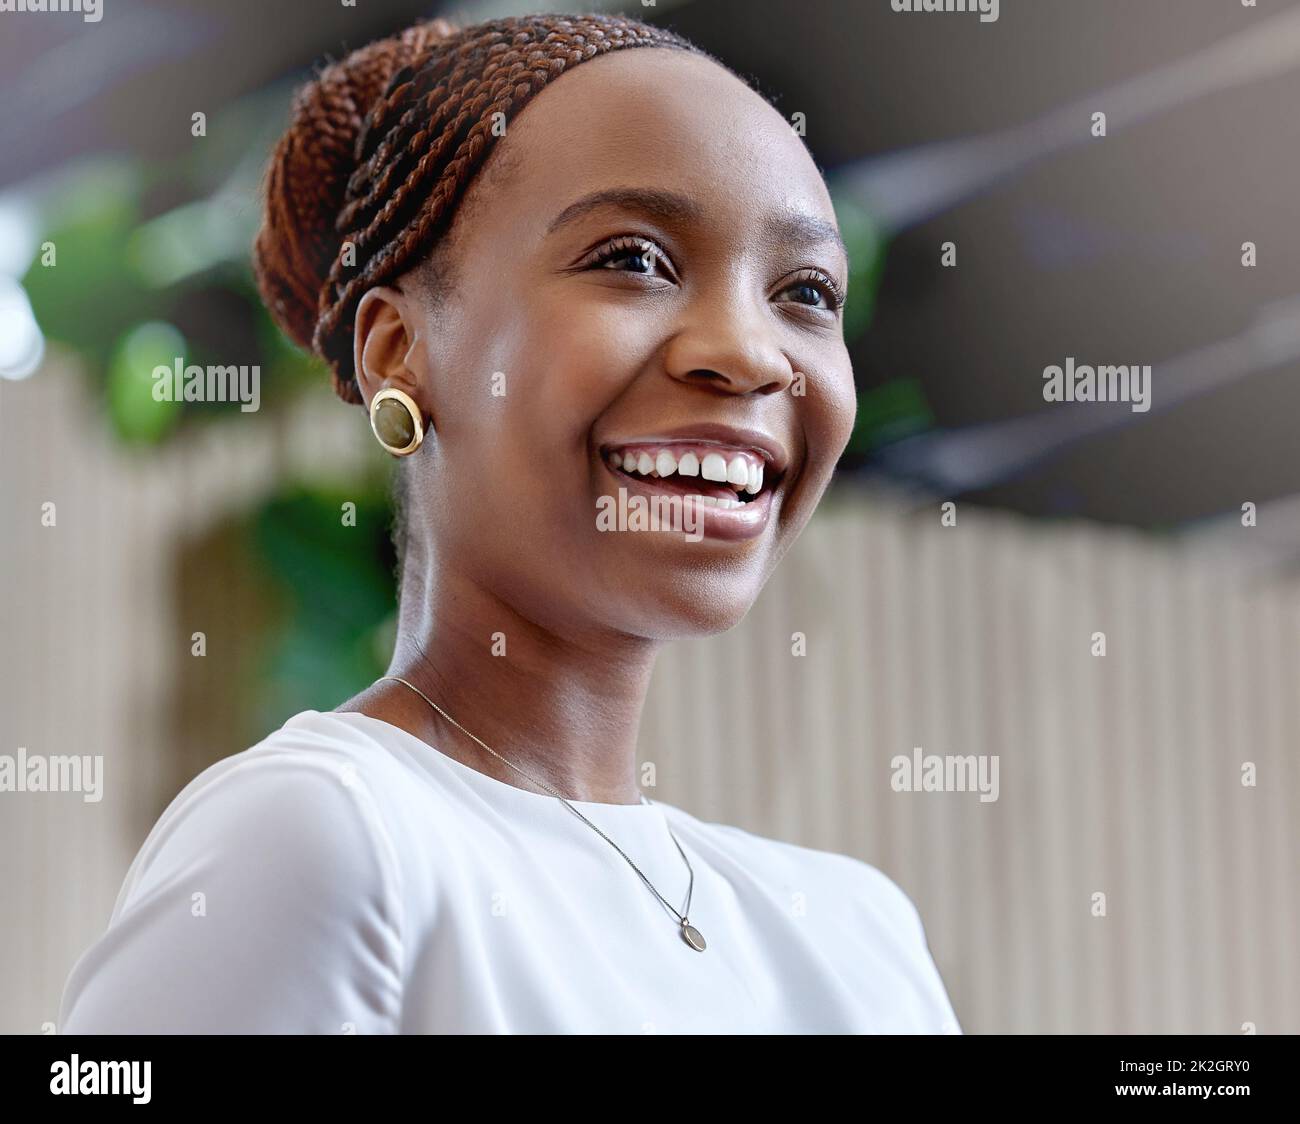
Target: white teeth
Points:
(713, 467)
(741, 472)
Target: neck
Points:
(565, 709)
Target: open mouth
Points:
(719, 476)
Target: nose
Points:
(726, 344)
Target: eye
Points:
(816, 290)
(628, 254)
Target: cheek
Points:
(569, 361)
(828, 410)
(598, 334)
(556, 371)
(843, 405)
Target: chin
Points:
(689, 607)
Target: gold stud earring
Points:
(396, 421)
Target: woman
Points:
(560, 269)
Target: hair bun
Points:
(306, 180)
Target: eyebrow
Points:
(671, 207)
(665, 205)
(798, 227)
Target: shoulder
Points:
(861, 911)
(267, 898)
(306, 804)
(811, 870)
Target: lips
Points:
(729, 482)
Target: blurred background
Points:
(124, 242)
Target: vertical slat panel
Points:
(1119, 774)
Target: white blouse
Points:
(342, 876)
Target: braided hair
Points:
(381, 148)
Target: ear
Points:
(383, 342)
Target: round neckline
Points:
(646, 808)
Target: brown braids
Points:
(381, 149)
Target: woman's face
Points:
(645, 277)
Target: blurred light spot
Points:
(187, 241)
(137, 416)
(22, 347)
(17, 237)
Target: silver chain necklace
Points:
(690, 934)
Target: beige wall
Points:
(1118, 775)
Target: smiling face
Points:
(646, 281)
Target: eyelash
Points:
(817, 279)
(624, 246)
(621, 247)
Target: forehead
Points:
(657, 118)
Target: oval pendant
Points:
(693, 937)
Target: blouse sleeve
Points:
(266, 900)
(931, 1010)
(945, 1019)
